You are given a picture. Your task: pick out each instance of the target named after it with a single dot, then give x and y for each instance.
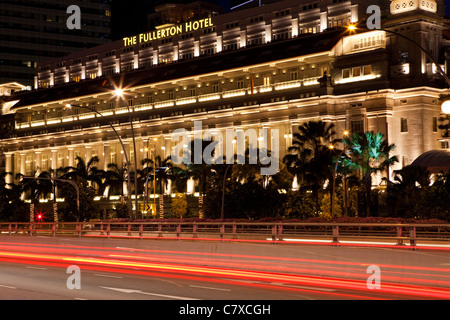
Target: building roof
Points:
(277, 50)
(434, 160)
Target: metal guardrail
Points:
(272, 231)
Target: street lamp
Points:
(120, 94)
(445, 107)
(130, 212)
(345, 133)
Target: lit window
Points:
(356, 71)
(367, 70)
(346, 73)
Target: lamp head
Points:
(118, 92)
(445, 107)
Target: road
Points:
(36, 268)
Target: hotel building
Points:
(275, 67)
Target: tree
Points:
(87, 206)
(310, 157)
(369, 153)
(12, 208)
(179, 205)
(115, 177)
(326, 207)
(433, 202)
(405, 191)
(298, 205)
(86, 171)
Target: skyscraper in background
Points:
(33, 32)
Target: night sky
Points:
(130, 16)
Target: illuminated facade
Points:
(273, 67)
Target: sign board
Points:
(148, 208)
(168, 31)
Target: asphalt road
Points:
(37, 268)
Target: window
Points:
(367, 70)
(60, 160)
(112, 155)
(346, 73)
(44, 162)
(403, 125)
(356, 71)
(435, 124)
(267, 81)
(240, 83)
(293, 74)
(357, 126)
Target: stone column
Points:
(9, 170)
(106, 155)
(38, 163)
(71, 157)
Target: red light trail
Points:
(257, 271)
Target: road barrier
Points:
(335, 233)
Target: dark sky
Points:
(130, 16)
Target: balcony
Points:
(229, 94)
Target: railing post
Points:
(54, 229)
(31, 229)
(141, 230)
(399, 235)
(280, 232)
(178, 231)
(108, 229)
(335, 229)
(234, 231)
(412, 238)
(129, 230)
(9, 229)
(194, 230)
(222, 231)
(78, 229)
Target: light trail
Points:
(246, 268)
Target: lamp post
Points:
(223, 192)
(445, 107)
(120, 94)
(334, 176)
(130, 212)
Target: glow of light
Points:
(351, 27)
(357, 79)
(446, 107)
(118, 92)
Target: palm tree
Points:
(115, 177)
(163, 170)
(86, 171)
(369, 153)
(405, 191)
(310, 157)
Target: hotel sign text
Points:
(166, 32)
